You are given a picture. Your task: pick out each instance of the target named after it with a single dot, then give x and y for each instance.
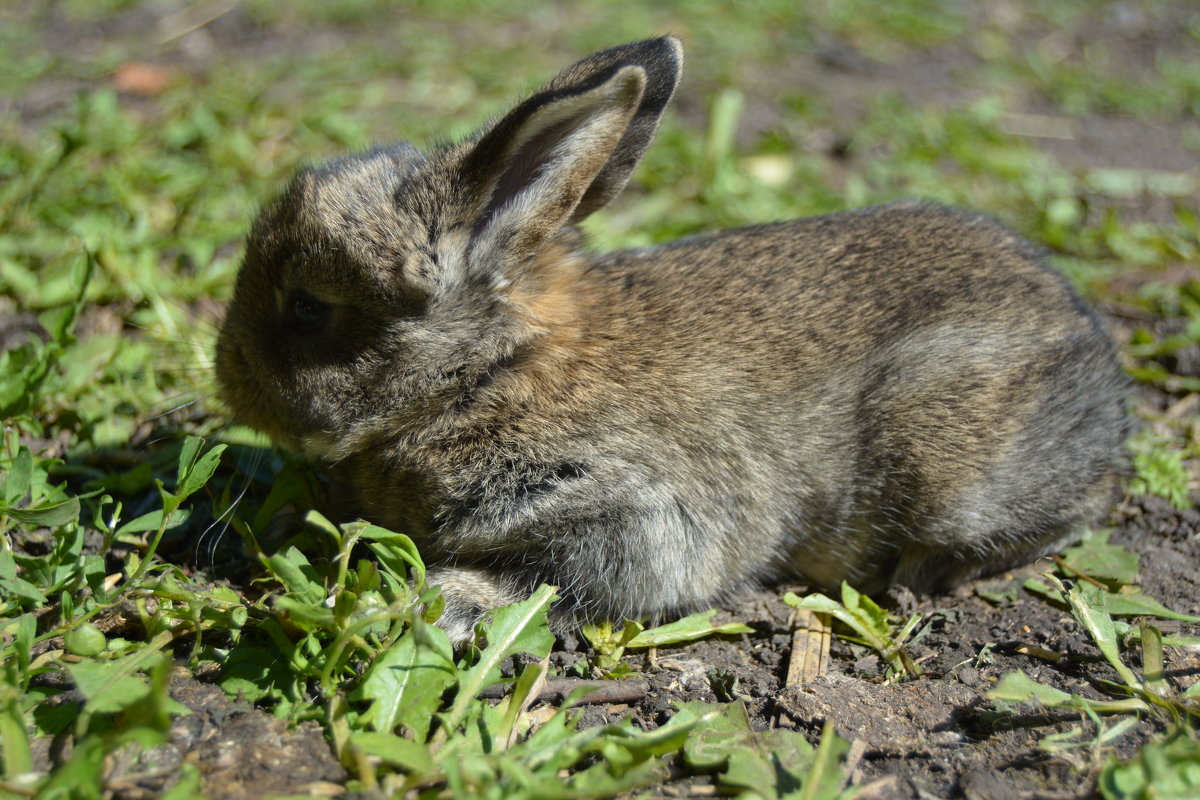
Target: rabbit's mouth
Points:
(247, 395)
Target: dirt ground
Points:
(931, 736)
(937, 735)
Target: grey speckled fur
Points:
(902, 393)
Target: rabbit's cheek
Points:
(254, 394)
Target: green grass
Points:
(1095, 582)
(120, 226)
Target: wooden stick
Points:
(810, 648)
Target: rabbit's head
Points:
(379, 285)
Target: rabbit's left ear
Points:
(569, 149)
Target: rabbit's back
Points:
(874, 386)
(840, 286)
(901, 393)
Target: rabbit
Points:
(901, 394)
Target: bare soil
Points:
(931, 736)
(936, 735)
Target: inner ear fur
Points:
(567, 150)
(662, 60)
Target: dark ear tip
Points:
(666, 50)
(674, 44)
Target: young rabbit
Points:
(902, 393)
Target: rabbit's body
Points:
(900, 393)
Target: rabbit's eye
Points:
(305, 313)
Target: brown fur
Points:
(900, 393)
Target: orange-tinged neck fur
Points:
(551, 297)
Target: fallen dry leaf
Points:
(142, 79)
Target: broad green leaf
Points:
(730, 719)
(770, 763)
(295, 485)
(688, 629)
(322, 523)
(824, 777)
(405, 683)
(859, 612)
(1041, 589)
(851, 597)
(1088, 605)
(58, 322)
(665, 739)
(51, 516)
(24, 369)
(864, 616)
(1096, 558)
(1001, 592)
(152, 520)
(20, 369)
(866, 608)
(474, 733)
(109, 685)
(599, 780)
(14, 739)
(196, 469)
(366, 577)
(256, 673)
(144, 720)
(297, 654)
(411, 756)
(308, 616)
(1142, 605)
(1164, 769)
(519, 628)
(293, 569)
(621, 758)
(1017, 687)
(822, 604)
(189, 451)
(16, 483)
(395, 551)
(12, 585)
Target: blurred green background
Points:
(149, 132)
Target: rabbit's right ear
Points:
(567, 150)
